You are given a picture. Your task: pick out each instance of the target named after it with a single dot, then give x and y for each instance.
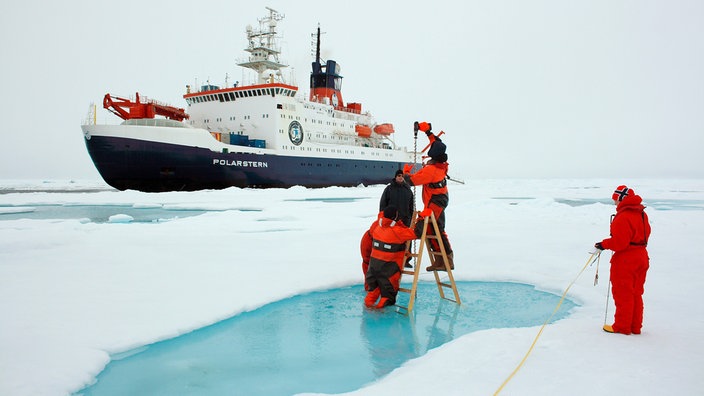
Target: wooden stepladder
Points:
(425, 243)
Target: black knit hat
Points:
(398, 172)
(437, 151)
(390, 212)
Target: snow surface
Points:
(73, 292)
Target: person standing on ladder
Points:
(630, 230)
(433, 177)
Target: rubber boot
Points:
(384, 302)
(372, 296)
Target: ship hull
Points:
(134, 164)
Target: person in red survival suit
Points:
(630, 230)
(387, 258)
(433, 177)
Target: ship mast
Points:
(264, 50)
(317, 45)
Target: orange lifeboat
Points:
(363, 130)
(384, 129)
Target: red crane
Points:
(127, 110)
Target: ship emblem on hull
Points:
(295, 133)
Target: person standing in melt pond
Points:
(630, 230)
(386, 254)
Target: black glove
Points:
(418, 230)
(598, 246)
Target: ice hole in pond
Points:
(323, 341)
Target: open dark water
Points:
(318, 342)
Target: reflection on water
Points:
(318, 342)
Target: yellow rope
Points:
(596, 253)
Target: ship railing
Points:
(91, 117)
(146, 99)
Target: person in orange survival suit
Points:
(387, 258)
(365, 245)
(630, 230)
(433, 177)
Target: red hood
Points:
(631, 202)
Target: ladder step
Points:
(449, 286)
(449, 299)
(408, 272)
(403, 289)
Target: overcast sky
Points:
(547, 88)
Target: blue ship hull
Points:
(131, 164)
